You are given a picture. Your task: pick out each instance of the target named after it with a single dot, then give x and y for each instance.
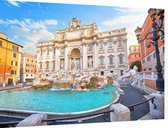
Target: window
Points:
(15, 63)
(48, 51)
(14, 55)
(47, 65)
(11, 62)
(15, 48)
(148, 58)
(120, 59)
(101, 60)
(143, 61)
(111, 71)
(121, 72)
(101, 46)
(114, 42)
(110, 45)
(41, 53)
(41, 66)
(53, 64)
(13, 72)
(111, 60)
(154, 55)
(0, 43)
(102, 73)
(119, 43)
(150, 68)
(26, 74)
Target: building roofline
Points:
(11, 42)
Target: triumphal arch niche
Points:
(81, 48)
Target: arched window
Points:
(47, 64)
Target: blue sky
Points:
(27, 23)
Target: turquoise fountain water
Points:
(64, 101)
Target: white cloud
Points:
(30, 31)
(29, 24)
(122, 20)
(128, 18)
(13, 3)
(51, 22)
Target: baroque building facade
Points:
(82, 49)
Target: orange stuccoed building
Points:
(10, 58)
(148, 55)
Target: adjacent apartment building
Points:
(28, 67)
(134, 54)
(10, 59)
(148, 56)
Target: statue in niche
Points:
(90, 62)
(75, 23)
(62, 64)
(75, 64)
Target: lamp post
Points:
(154, 35)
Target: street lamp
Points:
(153, 36)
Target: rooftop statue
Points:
(75, 23)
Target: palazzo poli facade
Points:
(81, 49)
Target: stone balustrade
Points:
(33, 120)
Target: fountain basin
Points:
(58, 102)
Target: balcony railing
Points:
(101, 66)
(111, 65)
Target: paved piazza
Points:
(81, 49)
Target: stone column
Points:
(95, 56)
(69, 63)
(66, 59)
(121, 113)
(84, 50)
(81, 62)
(106, 53)
(57, 58)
